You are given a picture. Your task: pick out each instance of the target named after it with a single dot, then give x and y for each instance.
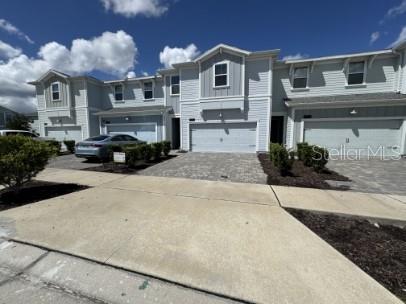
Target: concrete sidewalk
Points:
(237, 242)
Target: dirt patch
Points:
(35, 191)
(299, 176)
(125, 169)
(379, 250)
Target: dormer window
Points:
(56, 91)
(300, 77)
(221, 74)
(175, 86)
(148, 90)
(118, 92)
(356, 73)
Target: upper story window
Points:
(118, 92)
(356, 73)
(175, 85)
(148, 90)
(56, 91)
(221, 74)
(300, 78)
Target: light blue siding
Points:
(189, 83)
(63, 102)
(235, 76)
(257, 77)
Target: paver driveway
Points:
(234, 167)
(374, 175)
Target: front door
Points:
(277, 129)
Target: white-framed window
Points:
(56, 91)
(175, 85)
(118, 92)
(356, 73)
(221, 74)
(148, 90)
(300, 78)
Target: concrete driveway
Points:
(70, 161)
(374, 175)
(228, 239)
(234, 167)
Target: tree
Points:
(19, 122)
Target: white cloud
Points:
(374, 37)
(144, 73)
(131, 8)
(396, 11)
(170, 55)
(11, 29)
(131, 74)
(401, 37)
(7, 51)
(111, 53)
(295, 57)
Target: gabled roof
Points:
(47, 74)
(219, 48)
(400, 45)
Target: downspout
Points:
(399, 80)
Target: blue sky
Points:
(306, 28)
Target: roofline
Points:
(132, 79)
(219, 47)
(381, 52)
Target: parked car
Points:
(23, 133)
(98, 146)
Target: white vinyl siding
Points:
(257, 77)
(189, 84)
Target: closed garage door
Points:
(357, 134)
(223, 137)
(64, 133)
(145, 132)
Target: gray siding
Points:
(189, 84)
(257, 77)
(235, 76)
(256, 110)
(171, 101)
(278, 90)
(330, 79)
(64, 87)
(94, 97)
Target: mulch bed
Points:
(379, 250)
(300, 175)
(35, 191)
(125, 169)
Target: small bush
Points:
(280, 158)
(133, 156)
(319, 158)
(55, 146)
(166, 147)
(70, 145)
(301, 150)
(156, 150)
(21, 159)
(145, 152)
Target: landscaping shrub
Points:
(21, 159)
(156, 150)
(166, 147)
(319, 158)
(145, 152)
(133, 155)
(70, 145)
(55, 146)
(280, 158)
(304, 152)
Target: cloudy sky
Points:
(110, 39)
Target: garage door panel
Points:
(64, 133)
(223, 137)
(356, 134)
(144, 132)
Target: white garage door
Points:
(356, 134)
(145, 132)
(223, 137)
(64, 133)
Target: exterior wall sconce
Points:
(127, 118)
(354, 112)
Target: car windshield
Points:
(98, 138)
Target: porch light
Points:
(353, 112)
(127, 118)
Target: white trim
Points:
(170, 87)
(243, 77)
(87, 109)
(353, 118)
(292, 137)
(164, 118)
(165, 87)
(403, 138)
(200, 80)
(220, 48)
(347, 73)
(227, 62)
(302, 123)
(346, 104)
(181, 126)
(153, 90)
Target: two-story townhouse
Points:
(233, 100)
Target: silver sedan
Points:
(98, 146)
